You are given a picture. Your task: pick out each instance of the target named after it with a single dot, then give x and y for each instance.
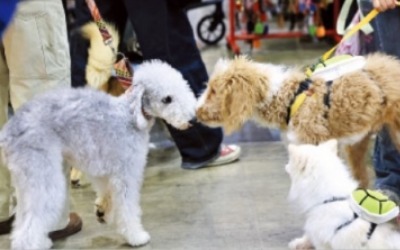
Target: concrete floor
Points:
(238, 206)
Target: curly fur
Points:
(361, 102)
(317, 175)
(106, 137)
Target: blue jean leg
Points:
(386, 163)
(386, 157)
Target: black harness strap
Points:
(303, 86)
(327, 97)
(355, 216)
(333, 199)
(372, 228)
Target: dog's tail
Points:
(101, 57)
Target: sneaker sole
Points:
(226, 160)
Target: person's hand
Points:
(383, 5)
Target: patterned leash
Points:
(123, 70)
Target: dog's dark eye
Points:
(167, 100)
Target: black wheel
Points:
(211, 30)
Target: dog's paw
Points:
(139, 238)
(100, 216)
(102, 208)
(75, 183)
(300, 244)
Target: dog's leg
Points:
(75, 177)
(302, 243)
(125, 196)
(356, 154)
(103, 199)
(41, 188)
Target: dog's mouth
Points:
(146, 115)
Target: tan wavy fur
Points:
(361, 102)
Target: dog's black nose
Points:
(193, 120)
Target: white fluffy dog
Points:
(105, 136)
(321, 185)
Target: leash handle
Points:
(371, 15)
(94, 11)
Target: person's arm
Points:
(383, 5)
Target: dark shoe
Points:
(74, 226)
(5, 226)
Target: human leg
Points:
(37, 55)
(387, 163)
(5, 185)
(386, 157)
(113, 12)
(173, 41)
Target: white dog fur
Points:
(106, 137)
(318, 175)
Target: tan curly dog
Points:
(350, 108)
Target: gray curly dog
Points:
(103, 136)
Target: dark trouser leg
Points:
(386, 163)
(386, 157)
(113, 12)
(164, 32)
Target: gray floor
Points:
(238, 206)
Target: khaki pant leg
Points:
(37, 50)
(5, 186)
(37, 54)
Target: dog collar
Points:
(298, 98)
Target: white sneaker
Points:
(228, 154)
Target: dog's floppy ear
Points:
(136, 93)
(243, 87)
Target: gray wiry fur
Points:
(105, 137)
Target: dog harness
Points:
(328, 70)
(122, 69)
(298, 98)
(372, 226)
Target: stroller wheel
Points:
(211, 30)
